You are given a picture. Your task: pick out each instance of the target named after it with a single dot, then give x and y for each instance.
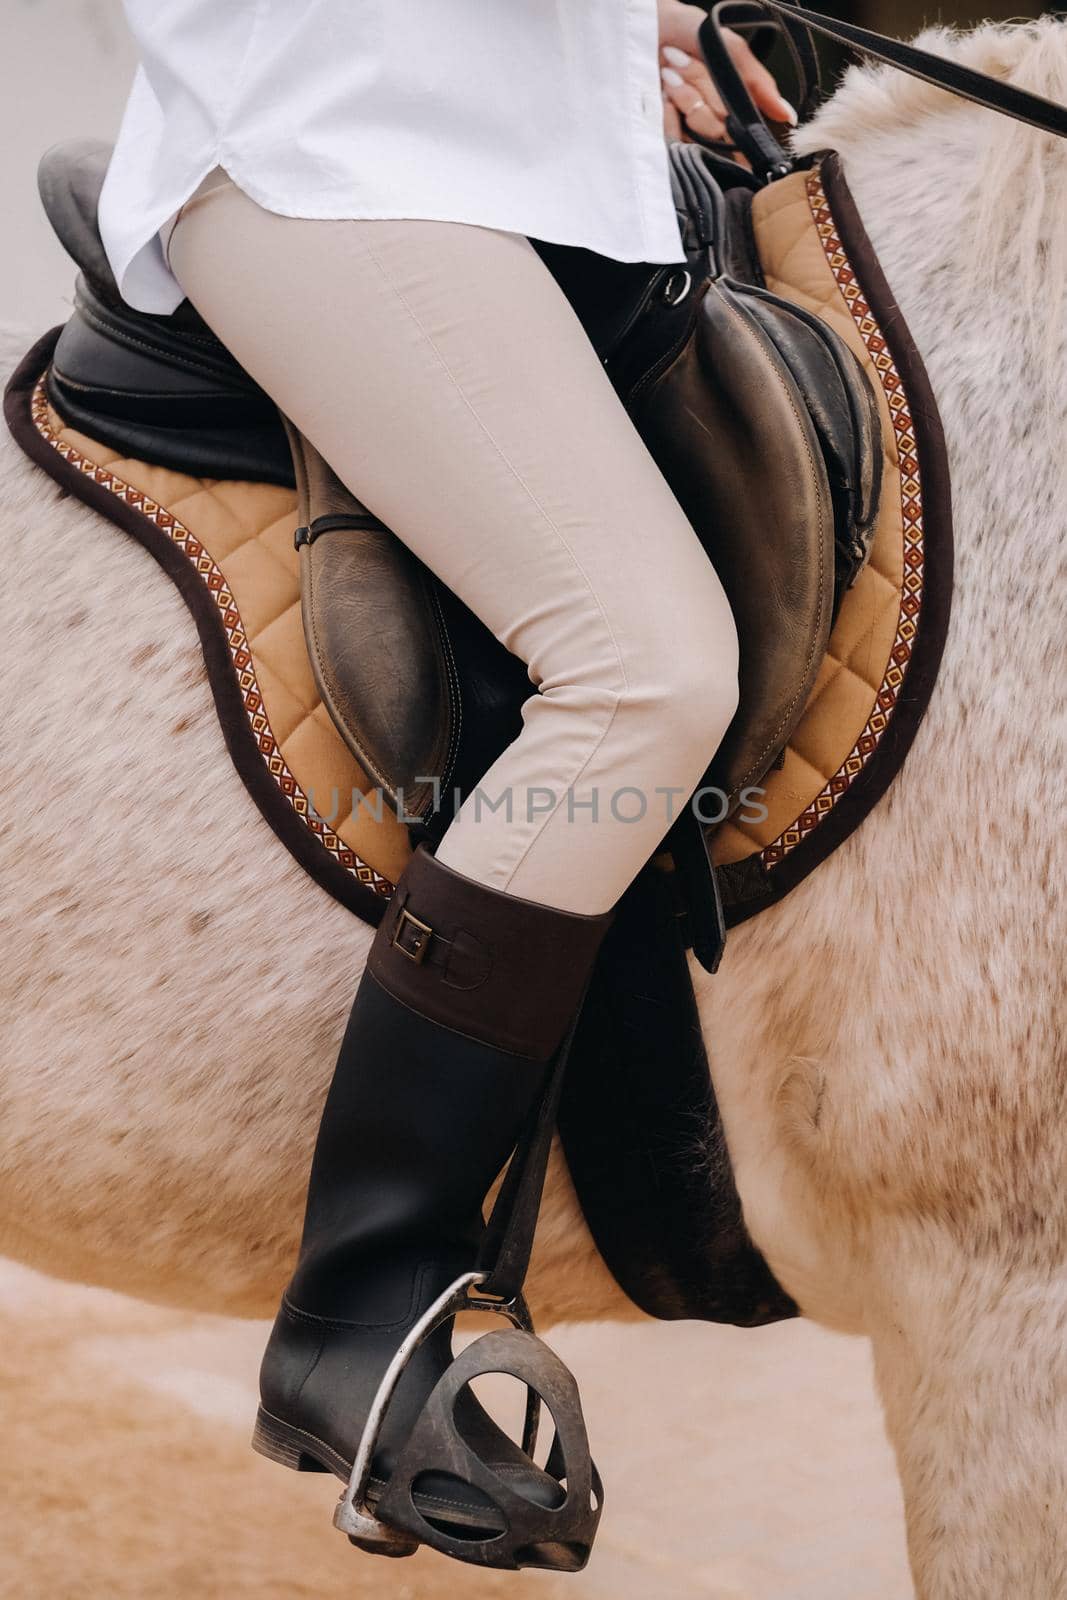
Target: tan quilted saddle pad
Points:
(237, 538)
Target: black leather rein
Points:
(750, 133)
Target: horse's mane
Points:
(1010, 180)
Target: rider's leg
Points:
(442, 374)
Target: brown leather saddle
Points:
(717, 373)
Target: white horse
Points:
(887, 1045)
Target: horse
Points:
(886, 1044)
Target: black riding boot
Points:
(467, 996)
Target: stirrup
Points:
(557, 1539)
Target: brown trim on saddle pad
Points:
(764, 875)
(337, 869)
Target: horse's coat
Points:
(887, 1044)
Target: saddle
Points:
(772, 377)
(696, 352)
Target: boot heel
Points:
(271, 1439)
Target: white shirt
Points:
(540, 117)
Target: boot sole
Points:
(301, 1452)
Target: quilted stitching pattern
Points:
(240, 538)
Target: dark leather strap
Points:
(746, 126)
(750, 18)
(941, 71)
(507, 1241)
(699, 884)
(509, 1234)
(337, 521)
(808, 68)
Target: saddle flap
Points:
(374, 636)
(648, 1155)
(835, 390)
(728, 427)
(844, 413)
(421, 692)
(765, 426)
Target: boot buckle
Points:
(412, 937)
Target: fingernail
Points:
(676, 57)
(669, 75)
(790, 112)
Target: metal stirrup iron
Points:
(555, 1538)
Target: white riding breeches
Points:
(439, 369)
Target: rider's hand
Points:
(690, 100)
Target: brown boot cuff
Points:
(507, 971)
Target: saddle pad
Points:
(229, 546)
(886, 645)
